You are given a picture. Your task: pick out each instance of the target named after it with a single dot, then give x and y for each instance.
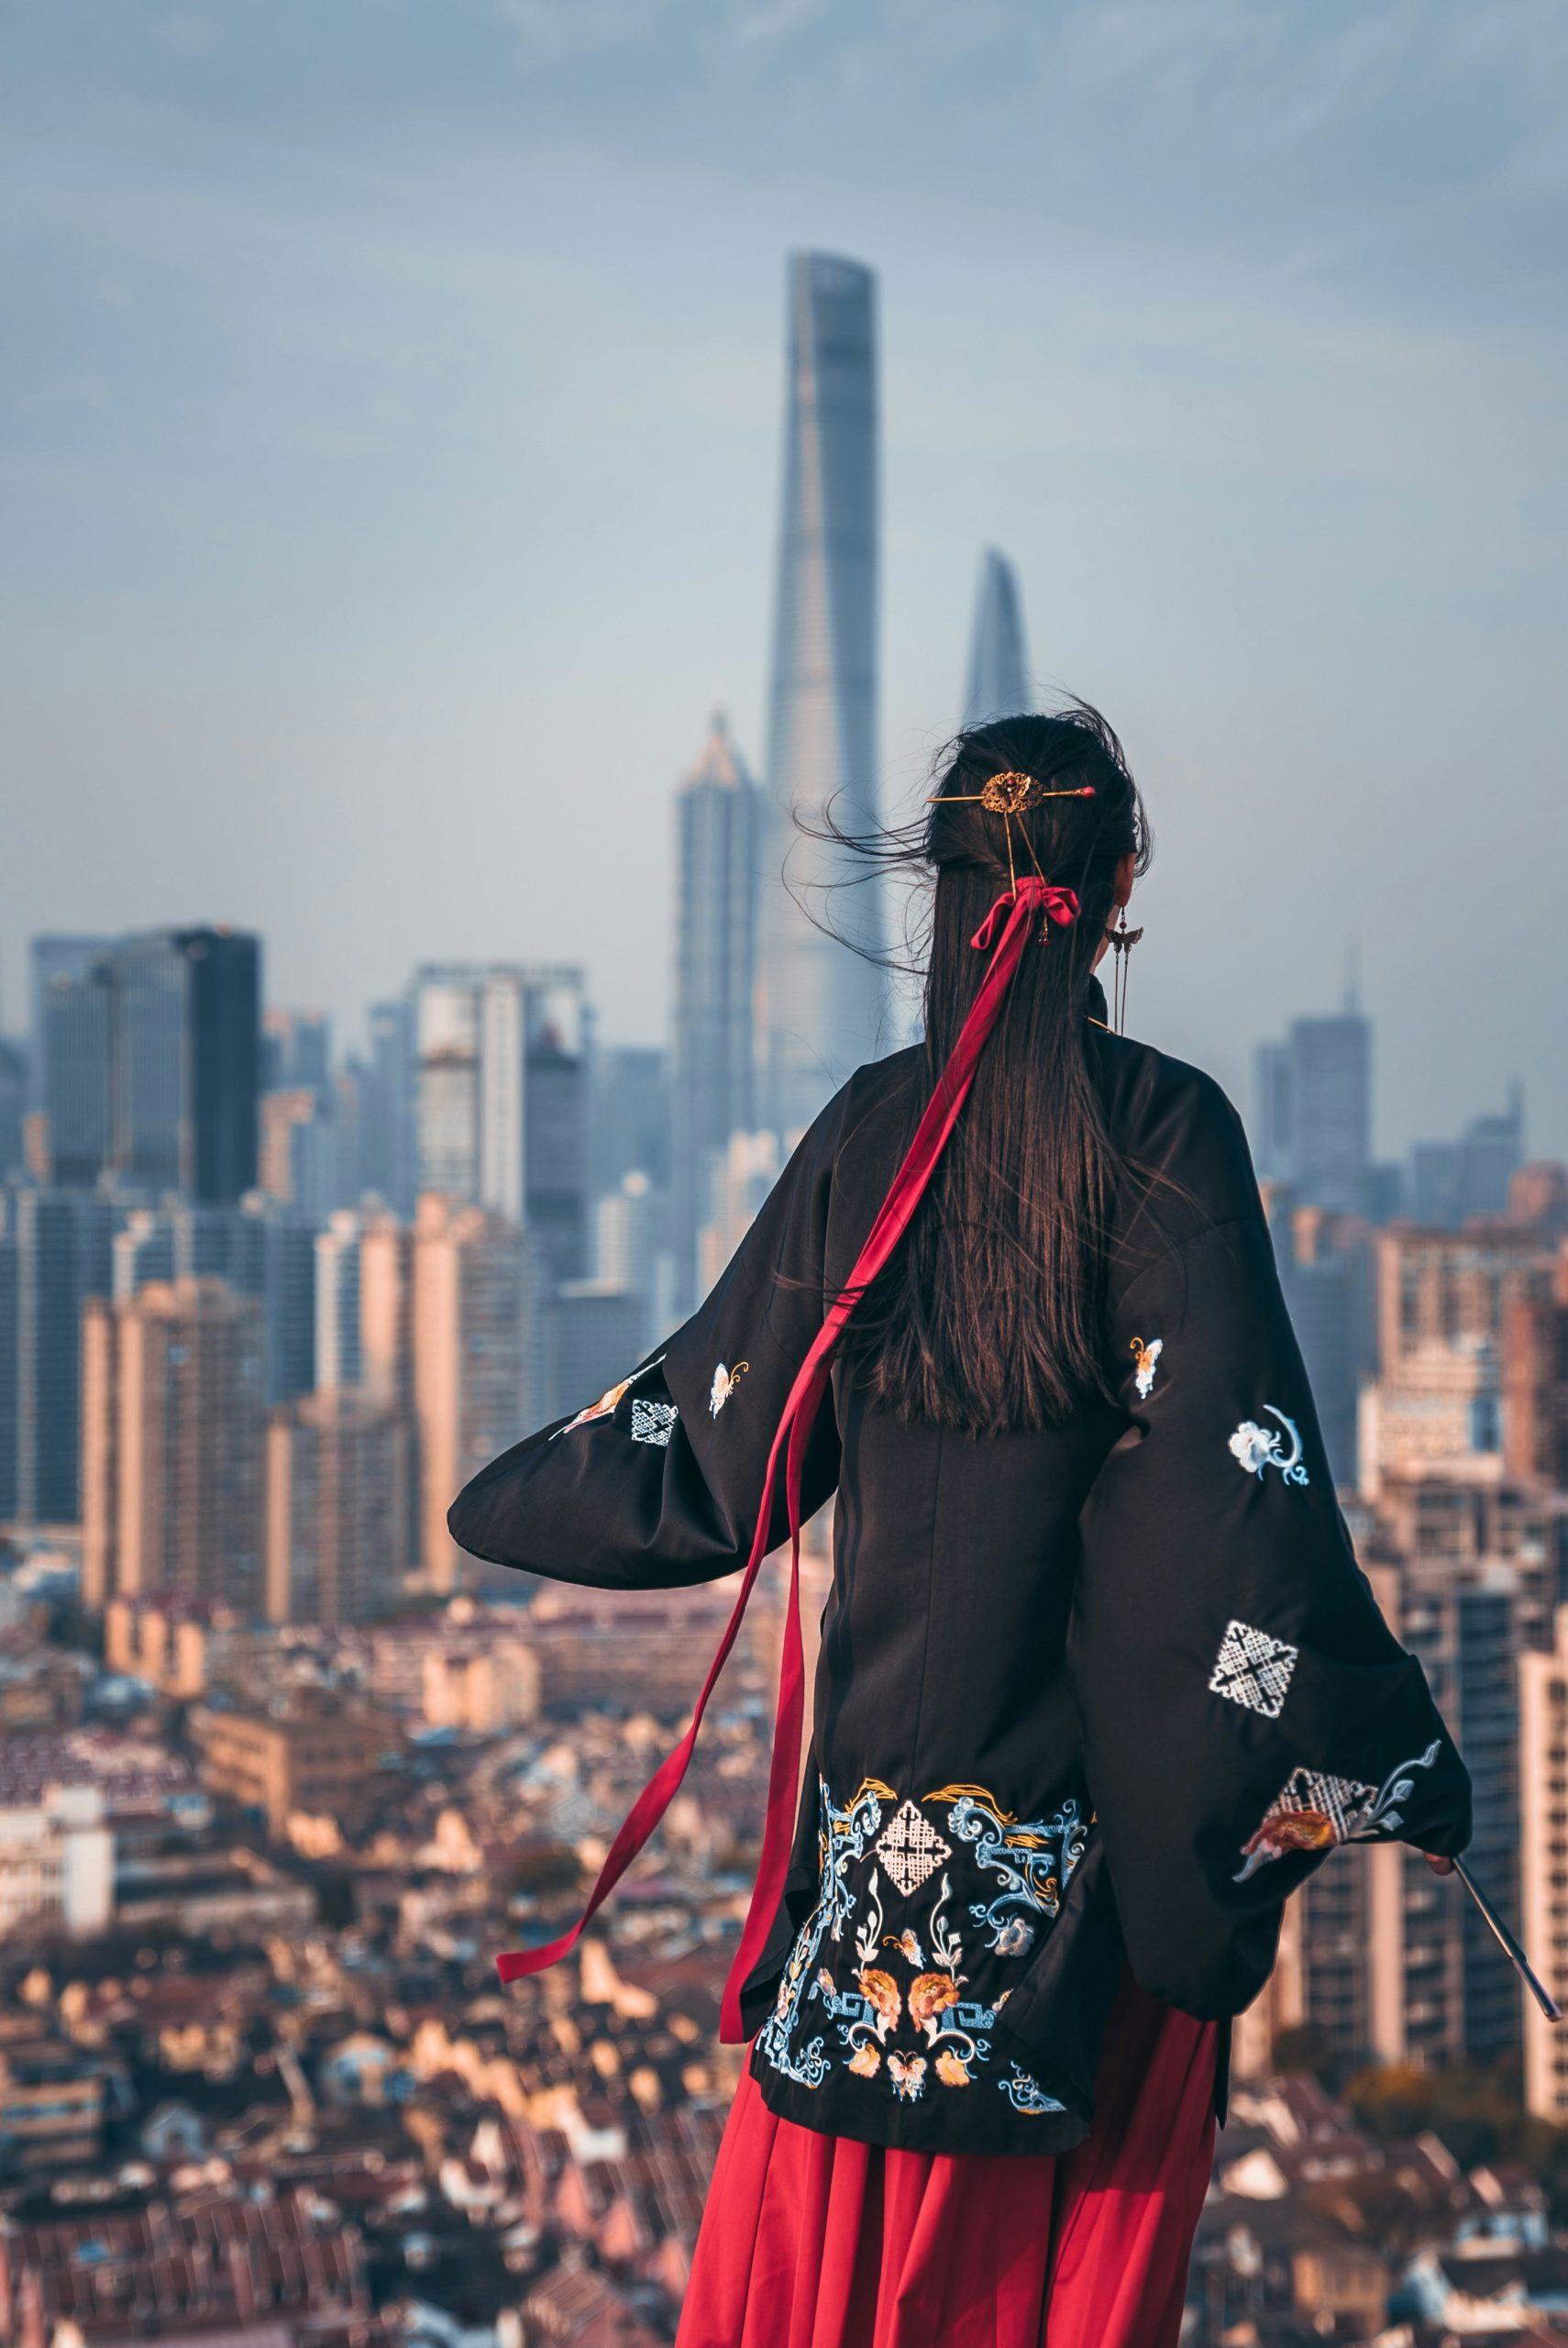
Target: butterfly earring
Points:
(1123, 941)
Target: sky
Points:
(389, 442)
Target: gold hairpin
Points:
(1010, 795)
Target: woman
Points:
(1100, 1682)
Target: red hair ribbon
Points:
(1007, 929)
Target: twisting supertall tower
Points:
(998, 662)
(819, 1005)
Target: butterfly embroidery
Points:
(723, 1386)
(908, 2074)
(1148, 1359)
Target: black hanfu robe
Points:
(1086, 1698)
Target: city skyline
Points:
(343, 491)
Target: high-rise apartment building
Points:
(173, 1425)
(1544, 1865)
(502, 1098)
(998, 659)
(476, 1337)
(820, 1004)
(336, 1487)
(338, 1359)
(719, 818)
(1535, 1385)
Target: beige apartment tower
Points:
(173, 1426)
(473, 1319)
(1544, 1867)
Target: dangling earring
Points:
(1123, 941)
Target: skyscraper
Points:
(72, 1012)
(1314, 1112)
(998, 660)
(819, 1003)
(185, 1061)
(718, 848)
(501, 1103)
(54, 1255)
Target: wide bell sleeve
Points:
(1245, 1706)
(657, 1484)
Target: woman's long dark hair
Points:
(987, 1317)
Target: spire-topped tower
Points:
(719, 813)
(819, 1003)
(999, 661)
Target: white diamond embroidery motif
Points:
(651, 1421)
(910, 1848)
(1253, 1670)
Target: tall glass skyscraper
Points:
(999, 661)
(819, 1003)
(718, 821)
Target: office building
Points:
(502, 1098)
(998, 660)
(173, 1426)
(631, 1117)
(337, 1489)
(820, 1004)
(719, 820)
(70, 1056)
(1449, 1181)
(383, 1108)
(1314, 1112)
(54, 1255)
(184, 1063)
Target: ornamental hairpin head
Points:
(1010, 794)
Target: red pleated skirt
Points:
(810, 2240)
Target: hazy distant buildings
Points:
(337, 1485)
(1452, 1181)
(502, 1098)
(1314, 1112)
(630, 1120)
(998, 659)
(383, 1109)
(184, 1062)
(719, 820)
(173, 1424)
(54, 1255)
(820, 1004)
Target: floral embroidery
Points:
(899, 2001)
(1033, 1860)
(1147, 1357)
(1313, 1811)
(1254, 1670)
(606, 1405)
(845, 1836)
(910, 1848)
(723, 1386)
(1255, 1449)
(652, 1422)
